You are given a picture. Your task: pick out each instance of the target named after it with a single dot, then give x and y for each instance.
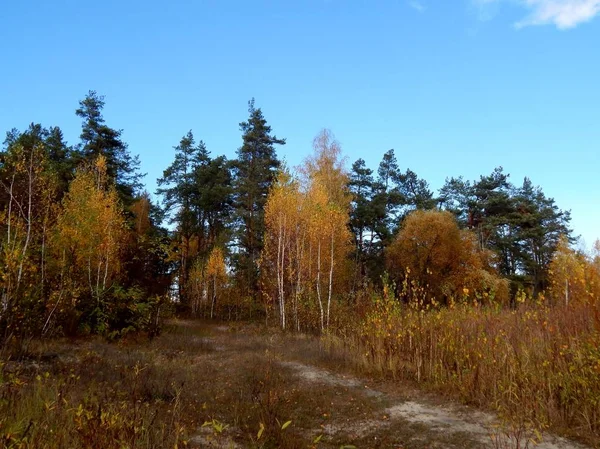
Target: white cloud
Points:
(416, 5)
(563, 14)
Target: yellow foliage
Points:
(307, 239)
(567, 274)
(206, 280)
(215, 267)
(91, 229)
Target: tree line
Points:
(82, 245)
(85, 249)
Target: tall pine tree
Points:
(99, 139)
(361, 213)
(177, 189)
(197, 196)
(256, 169)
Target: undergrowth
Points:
(174, 391)
(537, 366)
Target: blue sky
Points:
(456, 87)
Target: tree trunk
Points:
(319, 285)
(214, 297)
(330, 281)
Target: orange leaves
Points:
(216, 273)
(141, 211)
(326, 169)
(215, 267)
(442, 259)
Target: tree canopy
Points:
(86, 249)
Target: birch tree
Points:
(279, 256)
(216, 274)
(28, 189)
(567, 274)
(89, 239)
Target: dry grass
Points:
(539, 367)
(202, 385)
(93, 394)
(186, 388)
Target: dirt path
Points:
(445, 424)
(331, 409)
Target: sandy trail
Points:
(400, 423)
(474, 426)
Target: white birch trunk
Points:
(330, 280)
(319, 285)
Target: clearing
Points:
(327, 404)
(225, 386)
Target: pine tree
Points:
(256, 169)
(521, 224)
(212, 202)
(415, 193)
(379, 208)
(197, 196)
(177, 187)
(361, 187)
(98, 139)
(387, 200)
(541, 225)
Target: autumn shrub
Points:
(131, 310)
(75, 258)
(444, 261)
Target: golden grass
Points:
(537, 366)
(181, 389)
